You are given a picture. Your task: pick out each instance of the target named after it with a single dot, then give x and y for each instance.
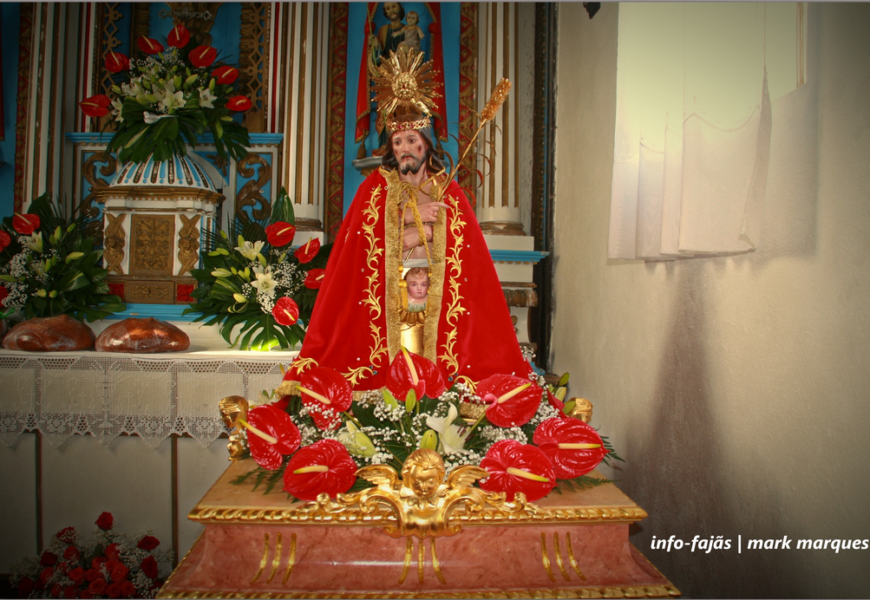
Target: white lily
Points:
(265, 284)
(151, 118)
(206, 98)
(453, 437)
(250, 250)
(356, 441)
(134, 88)
(34, 242)
(117, 105)
(172, 101)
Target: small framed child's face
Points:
(418, 287)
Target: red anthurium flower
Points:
(572, 446)
(271, 435)
(149, 45)
(116, 62)
(202, 56)
(514, 467)
(179, 37)
(286, 311)
(512, 400)
(238, 103)
(225, 75)
(314, 279)
(105, 520)
(5, 239)
(25, 224)
(307, 251)
(148, 543)
(280, 234)
(555, 402)
(326, 394)
(96, 106)
(322, 468)
(410, 371)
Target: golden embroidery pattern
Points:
(371, 297)
(454, 271)
(301, 364)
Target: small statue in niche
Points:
(413, 34)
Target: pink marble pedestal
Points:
(259, 545)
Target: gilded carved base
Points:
(570, 545)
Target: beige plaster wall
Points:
(736, 388)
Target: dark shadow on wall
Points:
(683, 481)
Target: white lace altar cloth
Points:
(154, 396)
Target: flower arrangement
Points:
(166, 99)
(110, 565)
(514, 428)
(48, 266)
(255, 277)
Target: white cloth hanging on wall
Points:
(692, 131)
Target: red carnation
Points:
(202, 56)
(105, 521)
(326, 394)
(77, 575)
(116, 62)
(148, 543)
(410, 371)
(280, 233)
(225, 75)
(321, 468)
(25, 224)
(48, 559)
(572, 446)
(239, 103)
(149, 45)
(127, 589)
(119, 572)
(5, 240)
(277, 425)
(514, 467)
(149, 567)
(512, 400)
(113, 551)
(25, 587)
(97, 587)
(71, 553)
(307, 251)
(286, 311)
(179, 37)
(314, 279)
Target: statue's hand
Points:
(411, 238)
(428, 212)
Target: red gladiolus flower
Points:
(119, 572)
(72, 553)
(321, 468)
(148, 543)
(97, 587)
(410, 371)
(202, 56)
(149, 45)
(512, 400)
(179, 37)
(25, 224)
(272, 435)
(514, 467)
(225, 75)
(572, 446)
(326, 394)
(280, 234)
(116, 62)
(5, 240)
(314, 279)
(77, 575)
(70, 592)
(25, 586)
(128, 589)
(113, 551)
(307, 251)
(113, 590)
(48, 559)
(149, 567)
(105, 521)
(239, 103)
(286, 311)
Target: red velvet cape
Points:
(354, 331)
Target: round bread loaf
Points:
(50, 334)
(139, 336)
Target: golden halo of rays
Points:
(404, 84)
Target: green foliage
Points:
(61, 277)
(579, 484)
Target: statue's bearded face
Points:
(410, 150)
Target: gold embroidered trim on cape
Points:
(451, 287)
